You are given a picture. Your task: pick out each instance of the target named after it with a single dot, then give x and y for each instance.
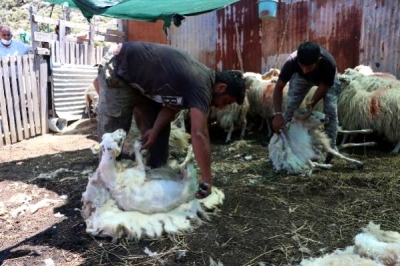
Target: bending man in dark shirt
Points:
(153, 82)
(311, 65)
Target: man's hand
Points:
(148, 139)
(204, 190)
(278, 123)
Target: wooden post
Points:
(61, 38)
(92, 33)
(34, 27)
(43, 97)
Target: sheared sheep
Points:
(370, 102)
(135, 202)
(231, 116)
(259, 93)
(371, 247)
(296, 150)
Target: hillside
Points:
(15, 14)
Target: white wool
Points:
(372, 247)
(339, 260)
(381, 235)
(214, 200)
(368, 246)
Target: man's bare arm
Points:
(201, 146)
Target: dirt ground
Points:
(267, 218)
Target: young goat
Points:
(304, 145)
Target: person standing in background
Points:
(10, 47)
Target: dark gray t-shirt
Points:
(324, 72)
(166, 75)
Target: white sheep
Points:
(272, 73)
(91, 99)
(303, 146)
(367, 71)
(370, 102)
(259, 93)
(230, 117)
(373, 247)
(123, 200)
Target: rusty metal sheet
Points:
(379, 45)
(239, 37)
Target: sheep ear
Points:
(95, 148)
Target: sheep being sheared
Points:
(231, 116)
(373, 247)
(137, 202)
(303, 146)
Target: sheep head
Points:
(314, 120)
(113, 142)
(303, 114)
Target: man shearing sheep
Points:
(311, 65)
(153, 82)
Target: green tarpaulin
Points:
(145, 10)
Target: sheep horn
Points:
(301, 115)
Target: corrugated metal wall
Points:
(232, 48)
(333, 24)
(380, 36)
(354, 31)
(211, 38)
(69, 84)
(197, 35)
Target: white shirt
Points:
(14, 49)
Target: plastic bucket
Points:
(267, 8)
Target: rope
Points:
(284, 34)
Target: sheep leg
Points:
(261, 125)
(358, 164)
(269, 127)
(229, 135)
(350, 145)
(244, 125)
(321, 165)
(396, 149)
(88, 103)
(138, 156)
(189, 157)
(345, 137)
